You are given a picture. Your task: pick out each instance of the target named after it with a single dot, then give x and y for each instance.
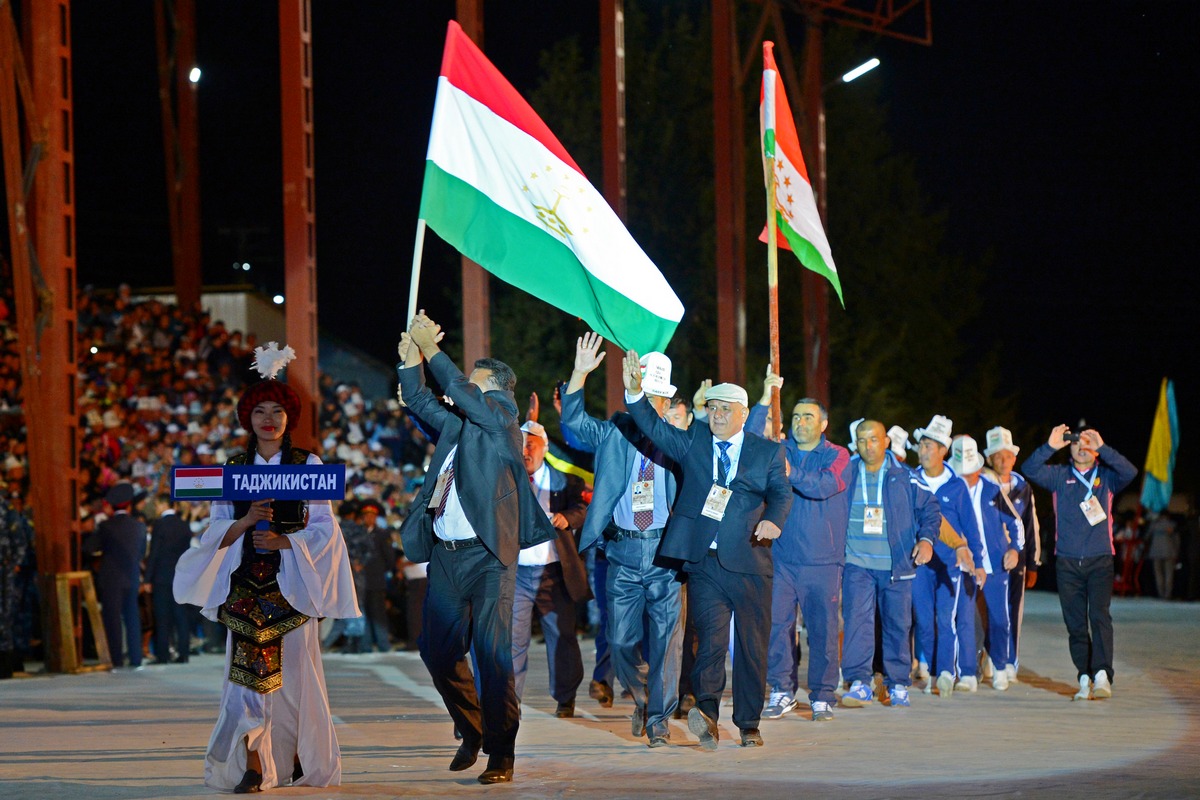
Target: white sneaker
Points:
(1101, 689)
(945, 685)
(967, 683)
(1000, 680)
(922, 673)
(1010, 670)
(1085, 689)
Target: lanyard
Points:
(1085, 482)
(862, 481)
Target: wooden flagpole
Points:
(418, 248)
(773, 276)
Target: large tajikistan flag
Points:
(501, 188)
(796, 212)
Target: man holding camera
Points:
(1083, 497)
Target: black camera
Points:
(1070, 437)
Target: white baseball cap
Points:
(656, 375)
(536, 429)
(998, 439)
(938, 429)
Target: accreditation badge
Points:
(439, 489)
(717, 500)
(643, 496)
(1092, 510)
(873, 520)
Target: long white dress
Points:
(314, 576)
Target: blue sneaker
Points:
(858, 696)
(899, 696)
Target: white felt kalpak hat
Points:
(656, 375)
(938, 429)
(998, 439)
(964, 456)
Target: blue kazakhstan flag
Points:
(1164, 444)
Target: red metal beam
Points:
(476, 300)
(907, 20)
(612, 125)
(43, 254)
(175, 41)
(299, 210)
(729, 193)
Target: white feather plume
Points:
(268, 360)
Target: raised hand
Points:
(771, 381)
(700, 396)
(631, 372)
(588, 352)
(1056, 437)
(558, 400)
(1090, 440)
(531, 413)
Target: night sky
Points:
(1058, 136)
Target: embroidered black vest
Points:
(256, 612)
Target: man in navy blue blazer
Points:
(733, 499)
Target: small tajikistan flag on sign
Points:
(198, 483)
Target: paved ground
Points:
(142, 734)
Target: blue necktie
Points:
(723, 463)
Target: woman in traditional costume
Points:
(269, 588)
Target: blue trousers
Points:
(923, 593)
(715, 594)
(998, 636)
(815, 589)
(469, 607)
(542, 589)
(862, 590)
(640, 594)
(598, 577)
(955, 610)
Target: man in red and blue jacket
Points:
(808, 559)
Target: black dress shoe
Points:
(251, 783)
(467, 755)
(751, 738)
(565, 710)
(499, 770)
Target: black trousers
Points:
(172, 625)
(469, 605)
(714, 596)
(1085, 587)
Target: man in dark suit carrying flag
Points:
(469, 523)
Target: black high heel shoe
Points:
(251, 783)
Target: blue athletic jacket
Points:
(1074, 537)
(815, 530)
(909, 507)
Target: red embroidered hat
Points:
(269, 391)
(269, 360)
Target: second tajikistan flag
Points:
(795, 209)
(501, 188)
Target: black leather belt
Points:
(621, 533)
(459, 544)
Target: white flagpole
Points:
(418, 247)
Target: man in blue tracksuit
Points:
(1001, 455)
(1083, 543)
(1002, 537)
(933, 445)
(808, 559)
(891, 527)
